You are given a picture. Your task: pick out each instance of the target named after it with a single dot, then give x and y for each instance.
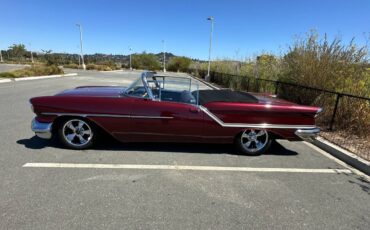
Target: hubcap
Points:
(254, 140)
(77, 132)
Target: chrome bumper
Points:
(307, 134)
(42, 130)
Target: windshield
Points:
(137, 89)
(164, 88)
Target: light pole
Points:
(82, 55)
(1, 56)
(207, 78)
(130, 48)
(164, 55)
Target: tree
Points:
(179, 64)
(17, 50)
(52, 58)
(145, 61)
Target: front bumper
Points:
(307, 134)
(42, 130)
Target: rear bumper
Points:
(307, 134)
(42, 130)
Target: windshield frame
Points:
(143, 79)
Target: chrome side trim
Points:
(257, 126)
(42, 130)
(150, 117)
(106, 115)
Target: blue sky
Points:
(242, 28)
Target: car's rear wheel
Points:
(76, 133)
(253, 142)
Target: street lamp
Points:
(207, 78)
(82, 55)
(130, 48)
(164, 56)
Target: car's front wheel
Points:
(253, 142)
(76, 133)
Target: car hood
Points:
(94, 91)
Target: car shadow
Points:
(110, 144)
(38, 143)
(278, 149)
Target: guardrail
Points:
(353, 111)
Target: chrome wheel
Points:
(77, 133)
(253, 140)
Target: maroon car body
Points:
(145, 119)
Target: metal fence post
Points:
(335, 111)
(276, 87)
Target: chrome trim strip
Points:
(106, 115)
(150, 117)
(257, 126)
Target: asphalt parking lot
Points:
(306, 191)
(10, 67)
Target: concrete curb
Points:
(5, 80)
(36, 77)
(343, 155)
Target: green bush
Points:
(71, 66)
(145, 61)
(179, 64)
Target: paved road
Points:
(95, 198)
(10, 67)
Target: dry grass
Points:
(358, 145)
(36, 70)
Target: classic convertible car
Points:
(171, 109)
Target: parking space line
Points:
(181, 167)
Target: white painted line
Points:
(36, 78)
(181, 167)
(70, 74)
(111, 71)
(338, 161)
(5, 80)
(44, 77)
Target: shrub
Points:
(145, 61)
(37, 70)
(179, 64)
(72, 66)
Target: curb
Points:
(37, 77)
(5, 80)
(343, 155)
